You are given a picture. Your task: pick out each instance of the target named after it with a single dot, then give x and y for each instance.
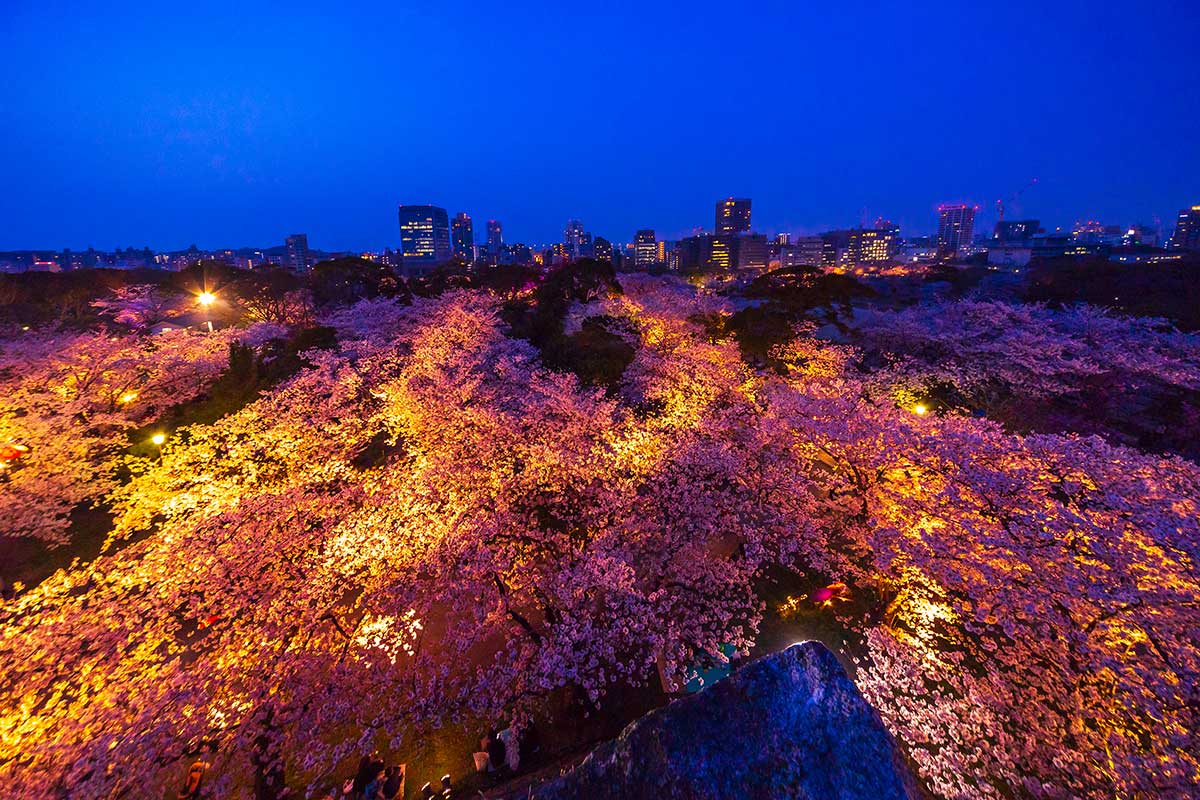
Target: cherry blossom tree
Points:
(1034, 600)
(71, 399)
(989, 349)
(450, 484)
(139, 306)
(428, 517)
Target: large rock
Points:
(791, 725)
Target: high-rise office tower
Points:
(692, 253)
(424, 237)
(462, 236)
(733, 216)
(890, 231)
(955, 226)
(495, 240)
(296, 247)
(1187, 230)
(1016, 231)
(520, 254)
(871, 245)
(573, 239)
(722, 255)
(602, 249)
(645, 249)
(750, 251)
(810, 251)
(806, 251)
(837, 245)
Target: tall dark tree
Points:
(342, 281)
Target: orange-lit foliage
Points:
(427, 522)
(72, 398)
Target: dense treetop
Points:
(472, 498)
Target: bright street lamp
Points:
(206, 299)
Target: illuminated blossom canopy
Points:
(139, 306)
(427, 514)
(983, 347)
(72, 399)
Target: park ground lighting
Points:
(158, 438)
(206, 299)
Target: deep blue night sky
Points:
(235, 124)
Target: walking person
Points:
(512, 753)
(370, 766)
(496, 753)
(361, 777)
(530, 744)
(374, 788)
(393, 785)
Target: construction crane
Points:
(1011, 200)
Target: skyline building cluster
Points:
(429, 237)
(734, 246)
(731, 246)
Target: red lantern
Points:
(12, 452)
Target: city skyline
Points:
(315, 127)
(984, 219)
(430, 239)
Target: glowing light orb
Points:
(827, 594)
(158, 438)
